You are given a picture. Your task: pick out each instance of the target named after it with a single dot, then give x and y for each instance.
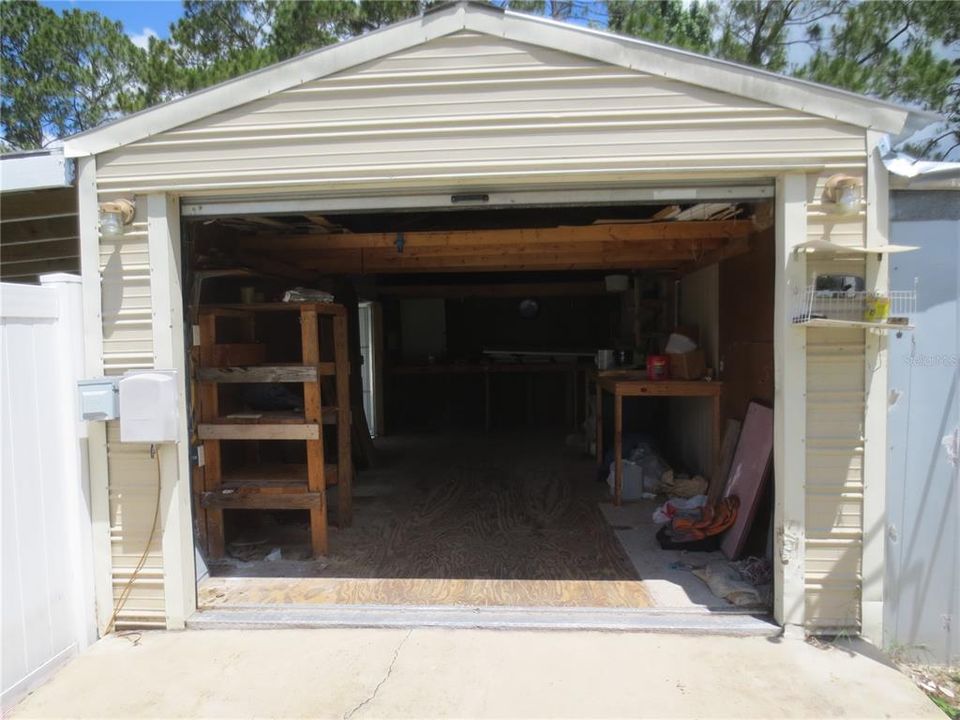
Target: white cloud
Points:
(142, 38)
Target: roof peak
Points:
(481, 17)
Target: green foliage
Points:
(62, 74)
(893, 49)
(670, 22)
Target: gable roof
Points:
(627, 52)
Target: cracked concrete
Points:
(383, 680)
(427, 673)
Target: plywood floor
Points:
(465, 520)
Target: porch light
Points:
(844, 193)
(114, 216)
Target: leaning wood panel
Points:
(231, 431)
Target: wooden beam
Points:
(266, 373)
(265, 431)
(568, 289)
(731, 249)
(495, 261)
(263, 501)
(616, 232)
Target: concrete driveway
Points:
(472, 673)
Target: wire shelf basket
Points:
(854, 307)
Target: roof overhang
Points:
(40, 170)
(631, 53)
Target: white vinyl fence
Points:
(47, 610)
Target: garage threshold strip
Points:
(663, 620)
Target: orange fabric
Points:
(713, 520)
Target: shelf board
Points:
(825, 246)
(276, 373)
(828, 323)
(263, 501)
(258, 431)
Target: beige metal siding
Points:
(38, 234)
(835, 430)
(133, 498)
(128, 345)
(472, 110)
(125, 271)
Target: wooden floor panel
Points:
(498, 520)
(221, 592)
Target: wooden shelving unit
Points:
(256, 485)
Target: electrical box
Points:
(99, 399)
(148, 406)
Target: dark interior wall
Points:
(746, 325)
(583, 323)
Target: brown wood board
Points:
(728, 446)
(748, 472)
(221, 592)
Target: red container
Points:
(658, 367)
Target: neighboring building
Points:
(38, 212)
(922, 606)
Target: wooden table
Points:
(488, 369)
(623, 384)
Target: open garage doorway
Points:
(447, 432)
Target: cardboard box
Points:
(687, 366)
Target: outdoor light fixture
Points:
(844, 193)
(114, 216)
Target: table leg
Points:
(715, 434)
(529, 389)
(618, 448)
(486, 401)
(599, 423)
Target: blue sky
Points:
(143, 18)
(140, 18)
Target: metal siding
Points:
(125, 273)
(133, 496)
(922, 603)
(835, 427)
(470, 109)
(128, 345)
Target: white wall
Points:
(922, 588)
(47, 611)
(690, 418)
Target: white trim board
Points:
(287, 205)
(616, 50)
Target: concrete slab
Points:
(669, 587)
(471, 673)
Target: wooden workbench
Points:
(623, 384)
(496, 368)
